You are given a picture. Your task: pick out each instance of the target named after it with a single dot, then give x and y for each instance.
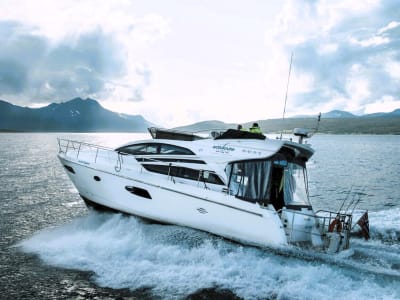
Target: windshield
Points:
(295, 185)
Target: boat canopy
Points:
(276, 180)
(170, 134)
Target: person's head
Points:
(255, 124)
(239, 127)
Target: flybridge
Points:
(170, 134)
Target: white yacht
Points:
(235, 184)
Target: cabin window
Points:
(175, 150)
(295, 185)
(275, 181)
(187, 173)
(139, 149)
(155, 148)
(249, 180)
(175, 160)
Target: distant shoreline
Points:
(10, 131)
(266, 133)
(68, 131)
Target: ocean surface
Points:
(53, 247)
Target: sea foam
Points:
(126, 252)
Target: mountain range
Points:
(333, 122)
(87, 115)
(76, 115)
(345, 114)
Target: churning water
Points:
(52, 247)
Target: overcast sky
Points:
(181, 61)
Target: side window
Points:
(140, 149)
(211, 178)
(152, 149)
(162, 169)
(133, 149)
(175, 150)
(186, 173)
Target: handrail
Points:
(78, 149)
(333, 212)
(322, 220)
(344, 218)
(82, 143)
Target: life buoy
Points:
(336, 225)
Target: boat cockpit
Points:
(275, 180)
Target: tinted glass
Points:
(175, 150)
(139, 149)
(187, 173)
(155, 148)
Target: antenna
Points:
(287, 88)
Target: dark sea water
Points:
(52, 247)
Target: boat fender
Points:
(336, 225)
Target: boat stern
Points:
(326, 230)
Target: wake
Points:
(173, 261)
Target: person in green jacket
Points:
(255, 128)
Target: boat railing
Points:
(87, 152)
(330, 220)
(325, 221)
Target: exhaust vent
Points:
(138, 191)
(70, 169)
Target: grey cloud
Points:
(12, 82)
(17, 52)
(331, 70)
(95, 51)
(33, 69)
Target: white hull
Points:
(176, 203)
(251, 191)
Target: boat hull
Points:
(162, 200)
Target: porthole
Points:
(97, 178)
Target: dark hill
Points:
(76, 115)
(338, 114)
(334, 122)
